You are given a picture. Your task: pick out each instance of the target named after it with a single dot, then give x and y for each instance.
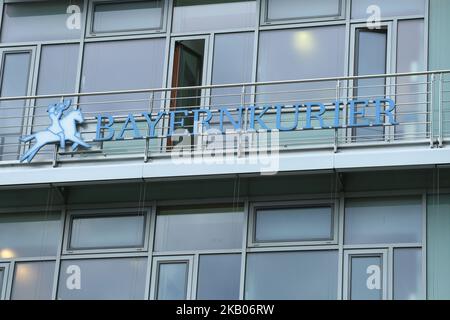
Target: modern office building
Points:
(214, 149)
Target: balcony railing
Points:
(421, 116)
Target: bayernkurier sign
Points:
(64, 127)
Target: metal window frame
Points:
(349, 254)
(28, 103)
(157, 261)
(254, 207)
(106, 213)
(91, 16)
(265, 21)
(5, 268)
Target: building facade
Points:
(213, 149)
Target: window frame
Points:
(254, 207)
(91, 16)
(265, 21)
(157, 261)
(28, 106)
(5, 267)
(349, 254)
(105, 213)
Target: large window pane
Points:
(232, 63)
(57, 75)
(411, 91)
(131, 64)
(370, 59)
(207, 15)
(41, 20)
(388, 8)
(383, 220)
(29, 234)
(297, 54)
(197, 229)
(14, 82)
(302, 9)
(105, 279)
(172, 281)
(408, 283)
(292, 275)
(128, 16)
(294, 224)
(33, 281)
(219, 277)
(93, 232)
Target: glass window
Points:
(197, 229)
(130, 64)
(57, 75)
(29, 234)
(105, 279)
(127, 16)
(383, 220)
(232, 63)
(370, 59)
(294, 224)
(296, 54)
(388, 8)
(94, 232)
(307, 275)
(411, 91)
(172, 281)
(14, 82)
(207, 15)
(302, 9)
(219, 277)
(408, 283)
(33, 281)
(366, 277)
(41, 21)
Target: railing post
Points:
(147, 137)
(432, 110)
(441, 115)
(338, 105)
(243, 123)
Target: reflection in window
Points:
(197, 229)
(33, 281)
(104, 279)
(128, 16)
(294, 224)
(29, 234)
(14, 83)
(41, 21)
(94, 232)
(219, 277)
(207, 15)
(303, 9)
(370, 221)
(172, 281)
(307, 275)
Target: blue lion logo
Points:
(61, 129)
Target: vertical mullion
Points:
(341, 268)
(58, 254)
(151, 236)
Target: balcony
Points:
(311, 120)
